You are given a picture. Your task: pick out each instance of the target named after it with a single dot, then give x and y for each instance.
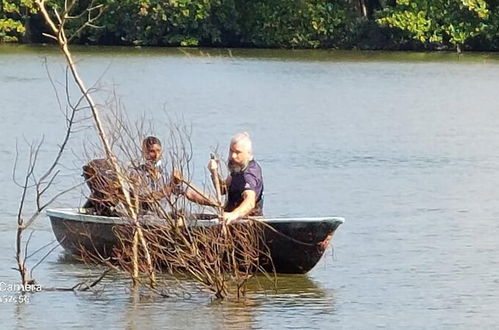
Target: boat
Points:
(295, 244)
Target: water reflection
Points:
(145, 310)
(301, 55)
(298, 299)
(285, 285)
(22, 314)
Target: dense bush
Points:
(13, 15)
(260, 23)
(442, 22)
(285, 23)
(158, 23)
(365, 24)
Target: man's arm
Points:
(246, 206)
(194, 196)
(191, 192)
(198, 198)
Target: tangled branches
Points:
(181, 240)
(221, 262)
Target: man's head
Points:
(151, 149)
(240, 152)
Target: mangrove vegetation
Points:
(345, 24)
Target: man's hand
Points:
(230, 217)
(177, 177)
(212, 165)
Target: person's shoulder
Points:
(253, 169)
(254, 166)
(135, 168)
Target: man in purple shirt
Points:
(244, 185)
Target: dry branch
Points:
(59, 34)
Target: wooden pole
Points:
(218, 191)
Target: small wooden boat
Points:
(295, 244)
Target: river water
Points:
(403, 145)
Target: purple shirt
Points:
(248, 179)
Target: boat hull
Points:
(295, 245)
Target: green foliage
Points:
(162, 22)
(439, 21)
(270, 23)
(261, 23)
(290, 23)
(10, 30)
(13, 15)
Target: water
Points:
(403, 145)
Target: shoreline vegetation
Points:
(422, 25)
